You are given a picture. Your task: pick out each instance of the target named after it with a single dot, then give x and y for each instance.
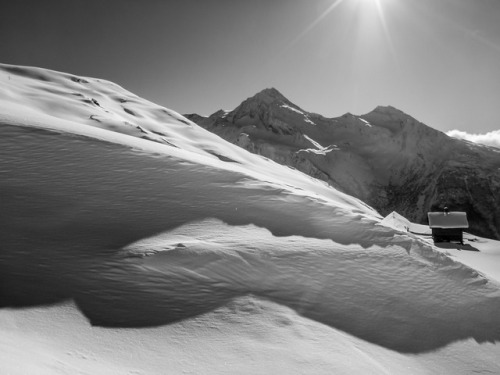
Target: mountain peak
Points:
(264, 100)
(394, 119)
(387, 114)
(389, 110)
(270, 95)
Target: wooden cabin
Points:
(448, 226)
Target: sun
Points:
(374, 23)
(370, 16)
(373, 3)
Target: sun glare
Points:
(371, 21)
(370, 10)
(320, 18)
(373, 2)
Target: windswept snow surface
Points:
(234, 263)
(481, 254)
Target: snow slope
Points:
(235, 263)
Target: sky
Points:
(437, 60)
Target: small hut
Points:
(448, 226)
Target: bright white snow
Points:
(296, 110)
(292, 109)
(314, 143)
(366, 122)
(245, 266)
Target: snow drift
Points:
(144, 219)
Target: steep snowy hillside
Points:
(386, 158)
(235, 263)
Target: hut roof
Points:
(454, 219)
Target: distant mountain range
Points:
(386, 158)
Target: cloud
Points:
(489, 139)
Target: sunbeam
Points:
(387, 35)
(372, 21)
(313, 24)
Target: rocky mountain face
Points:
(386, 158)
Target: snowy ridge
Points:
(36, 93)
(249, 264)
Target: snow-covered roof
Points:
(453, 219)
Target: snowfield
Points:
(134, 242)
